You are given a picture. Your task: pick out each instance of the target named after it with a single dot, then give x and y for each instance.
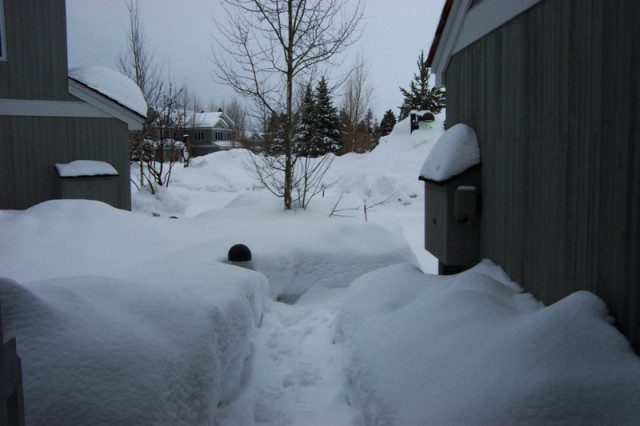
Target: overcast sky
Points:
(181, 34)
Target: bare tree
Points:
(137, 63)
(237, 113)
(270, 44)
(358, 94)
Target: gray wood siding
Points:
(554, 97)
(36, 42)
(31, 146)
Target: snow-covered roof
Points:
(85, 168)
(113, 85)
(212, 119)
(455, 151)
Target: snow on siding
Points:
(113, 85)
(455, 151)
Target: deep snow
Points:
(123, 317)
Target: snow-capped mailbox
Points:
(89, 180)
(418, 117)
(451, 174)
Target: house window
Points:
(219, 136)
(3, 47)
(199, 136)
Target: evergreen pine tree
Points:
(327, 121)
(420, 96)
(375, 136)
(274, 135)
(387, 123)
(305, 130)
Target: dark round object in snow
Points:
(427, 116)
(239, 253)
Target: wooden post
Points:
(12, 402)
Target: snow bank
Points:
(97, 350)
(113, 85)
(296, 256)
(456, 151)
(390, 170)
(121, 316)
(118, 321)
(85, 168)
(473, 349)
(388, 173)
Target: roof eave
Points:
(461, 26)
(105, 104)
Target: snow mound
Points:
(389, 170)
(473, 349)
(97, 350)
(296, 257)
(456, 151)
(120, 316)
(113, 85)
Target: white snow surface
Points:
(113, 85)
(473, 349)
(125, 318)
(456, 151)
(85, 168)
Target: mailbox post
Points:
(452, 225)
(452, 180)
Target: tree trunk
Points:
(288, 172)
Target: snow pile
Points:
(85, 168)
(456, 151)
(117, 320)
(473, 348)
(119, 316)
(113, 85)
(388, 173)
(296, 256)
(97, 350)
(390, 170)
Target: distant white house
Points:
(209, 132)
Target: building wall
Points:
(31, 146)
(554, 96)
(36, 43)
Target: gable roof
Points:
(212, 120)
(463, 22)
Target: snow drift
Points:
(473, 349)
(101, 350)
(123, 317)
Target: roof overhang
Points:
(105, 104)
(461, 25)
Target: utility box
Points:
(452, 180)
(452, 213)
(88, 180)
